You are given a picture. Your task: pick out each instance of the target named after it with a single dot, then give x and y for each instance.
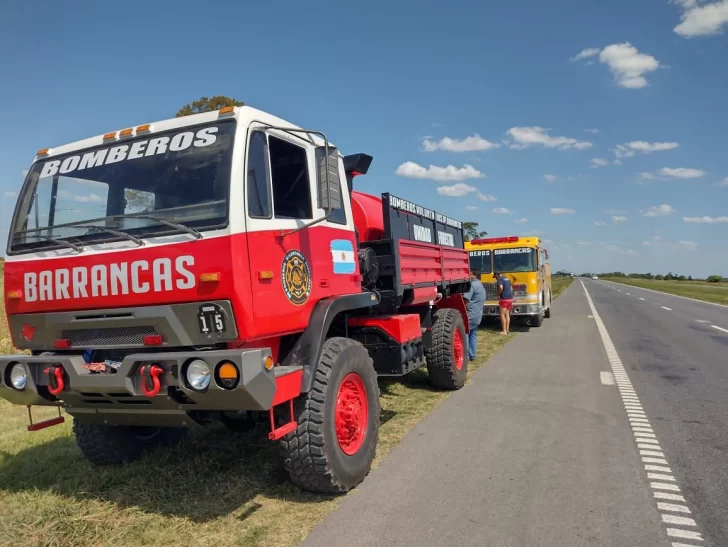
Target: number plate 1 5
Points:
(211, 319)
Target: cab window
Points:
(481, 260)
(258, 183)
(291, 183)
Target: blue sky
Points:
(507, 100)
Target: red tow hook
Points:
(150, 379)
(55, 380)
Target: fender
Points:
(457, 302)
(307, 349)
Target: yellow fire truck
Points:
(526, 263)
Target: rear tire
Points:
(536, 320)
(447, 363)
(117, 444)
(332, 449)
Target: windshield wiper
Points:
(166, 222)
(111, 231)
(77, 248)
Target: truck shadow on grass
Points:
(212, 473)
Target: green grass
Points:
(700, 290)
(559, 285)
(216, 488)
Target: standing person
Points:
(475, 298)
(505, 301)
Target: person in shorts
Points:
(505, 301)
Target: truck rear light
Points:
(15, 295)
(210, 277)
(62, 343)
(153, 340)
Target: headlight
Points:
(198, 375)
(18, 377)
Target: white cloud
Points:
(631, 252)
(618, 218)
(586, 53)
(561, 211)
(456, 190)
(674, 173)
(614, 211)
(501, 211)
(592, 131)
(599, 223)
(682, 172)
(83, 198)
(598, 162)
(617, 162)
(475, 143)
(11, 194)
(704, 20)
(647, 243)
(551, 178)
(532, 233)
(660, 211)
(486, 197)
(549, 241)
(413, 170)
(688, 245)
(618, 249)
(724, 182)
(471, 207)
(583, 243)
(521, 221)
(524, 137)
(628, 65)
(629, 149)
(706, 220)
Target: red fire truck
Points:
(220, 266)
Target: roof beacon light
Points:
(509, 239)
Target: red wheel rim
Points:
(458, 349)
(352, 414)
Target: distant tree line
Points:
(660, 277)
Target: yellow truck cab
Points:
(525, 262)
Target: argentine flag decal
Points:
(342, 253)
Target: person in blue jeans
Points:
(475, 299)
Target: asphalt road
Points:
(678, 363)
(536, 450)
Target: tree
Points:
(715, 279)
(471, 231)
(208, 105)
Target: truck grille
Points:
(491, 291)
(117, 336)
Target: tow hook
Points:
(150, 379)
(55, 380)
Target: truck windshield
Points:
(150, 185)
(519, 259)
(481, 260)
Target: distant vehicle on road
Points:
(525, 262)
(595, 277)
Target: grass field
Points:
(559, 285)
(700, 290)
(216, 488)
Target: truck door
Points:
(289, 273)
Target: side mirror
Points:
(329, 182)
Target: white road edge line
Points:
(720, 329)
(666, 308)
(670, 294)
(661, 490)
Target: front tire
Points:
(332, 449)
(117, 444)
(447, 365)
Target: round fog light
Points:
(227, 375)
(18, 377)
(198, 375)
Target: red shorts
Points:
(506, 304)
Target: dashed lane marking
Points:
(641, 298)
(720, 329)
(665, 489)
(606, 378)
(666, 308)
(702, 321)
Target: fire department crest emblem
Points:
(296, 277)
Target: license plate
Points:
(211, 319)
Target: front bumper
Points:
(492, 309)
(118, 398)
